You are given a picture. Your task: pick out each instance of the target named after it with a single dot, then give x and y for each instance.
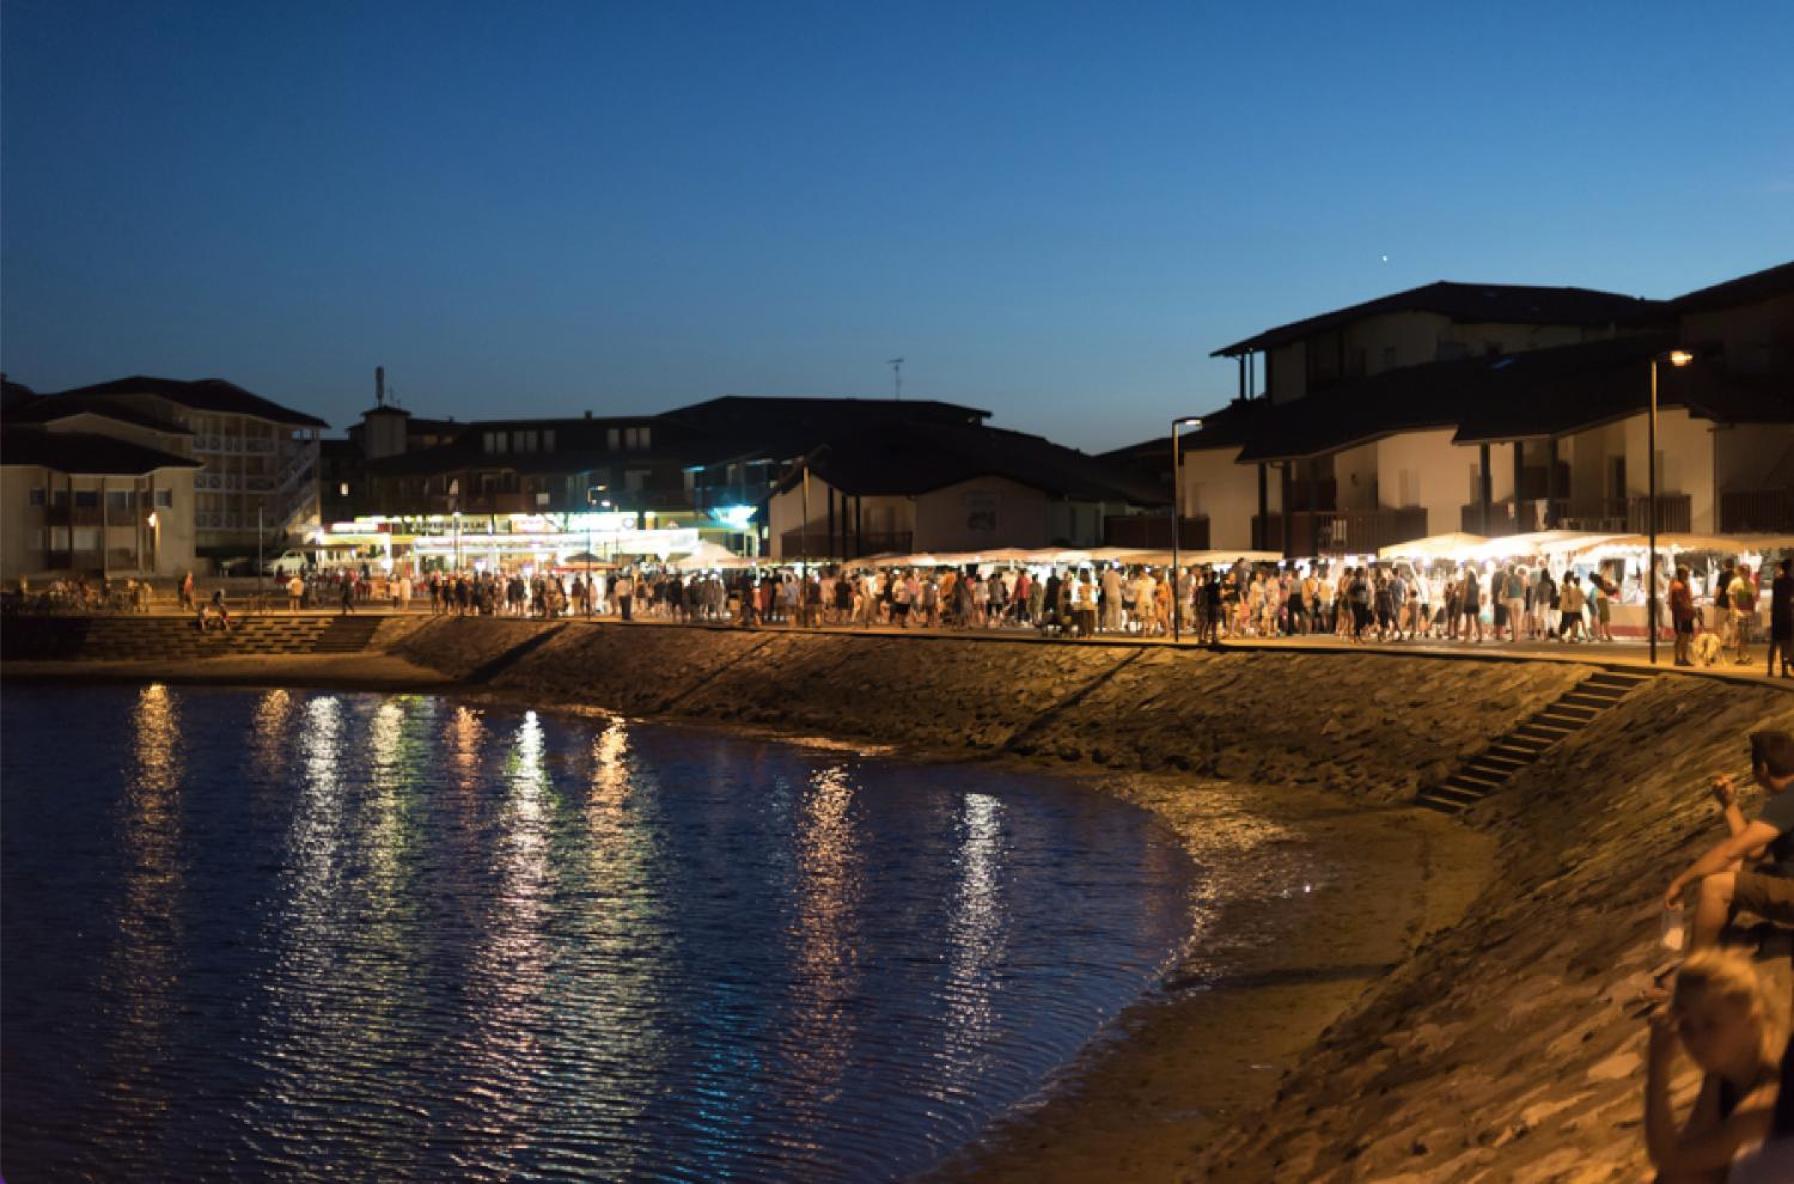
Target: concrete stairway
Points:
(347, 635)
(1490, 769)
(128, 638)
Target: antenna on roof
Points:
(896, 365)
(379, 386)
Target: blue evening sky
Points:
(1054, 211)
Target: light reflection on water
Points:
(308, 935)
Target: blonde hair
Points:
(1710, 975)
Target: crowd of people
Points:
(1383, 602)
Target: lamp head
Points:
(1680, 357)
(1188, 421)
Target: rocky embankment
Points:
(1375, 728)
(1503, 1048)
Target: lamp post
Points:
(1677, 358)
(1177, 509)
(456, 515)
(593, 496)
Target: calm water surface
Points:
(306, 935)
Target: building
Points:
(939, 486)
(709, 471)
(82, 502)
(257, 481)
(1496, 410)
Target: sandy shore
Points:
(1417, 1049)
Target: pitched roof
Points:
(1530, 395)
(50, 408)
(1506, 304)
(84, 453)
(204, 394)
(909, 459)
(1746, 289)
(737, 412)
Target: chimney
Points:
(588, 414)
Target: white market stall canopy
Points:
(1451, 545)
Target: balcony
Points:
(1337, 532)
(1153, 532)
(1756, 511)
(1628, 515)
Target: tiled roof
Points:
(1504, 304)
(84, 453)
(205, 394)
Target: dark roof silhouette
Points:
(1529, 395)
(910, 459)
(1747, 289)
(50, 408)
(204, 394)
(84, 453)
(1507, 304)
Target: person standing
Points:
(1473, 605)
(295, 592)
(1781, 619)
(625, 589)
(1743, 597)
(187, 591)
(1681, 614)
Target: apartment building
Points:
(1500, 409)
(257, 480)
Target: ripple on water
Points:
(300, 934)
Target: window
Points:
(165, 498)
(118, 501)
(548, 440)
(526, 441)
(342, 490)
(87, 499)
(1389, 357)
(59, 497)
(40, 497)
(489, 442)
(615, 440)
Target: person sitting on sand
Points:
(1766, 891)
(1719, 1016)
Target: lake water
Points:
(313, 935)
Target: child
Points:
(1719, 1017)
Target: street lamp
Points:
(593, 497)
(1177, 509)
(457, 517)
(1677, 358)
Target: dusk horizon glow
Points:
(1052, 213)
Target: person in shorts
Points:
(1767, 889)
(1681, 612)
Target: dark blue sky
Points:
(1052, 211)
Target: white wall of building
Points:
(981, 514)
(1216, 485)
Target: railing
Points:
(1503, 519)
(1153, 531)
(1675, 512)
(1340, 532)
(1756, 511)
